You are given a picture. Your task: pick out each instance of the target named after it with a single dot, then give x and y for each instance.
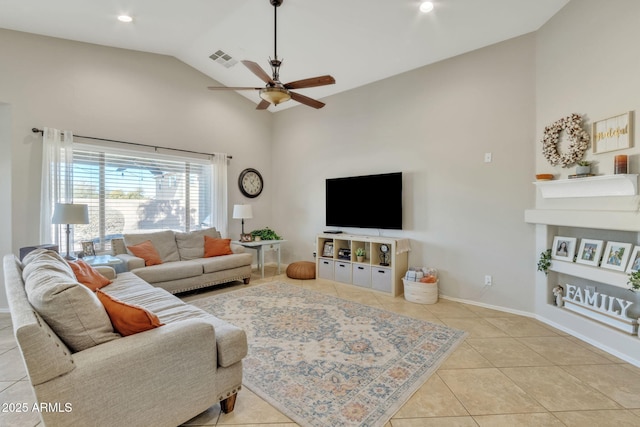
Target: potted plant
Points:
(634, 281)
(360, 253)
(545, 261)
(265, 234)
(583, 168)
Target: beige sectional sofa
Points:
(184, 267)
(93, 376)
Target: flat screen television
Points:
(371, 201)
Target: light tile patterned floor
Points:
(511, 371)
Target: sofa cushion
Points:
(147, 252)
(169, 271)
(214, 264)
(216, 247)
(231, 341)
(51, 260)
(163, 241)
(191, 245)
(126, 318)
(88, 276)
(72, 310)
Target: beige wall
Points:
(463, 216)
(587, 63)
(5, 192)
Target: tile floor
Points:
(511, 371)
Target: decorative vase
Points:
(583, 170)
(257, 238)
(360, 258)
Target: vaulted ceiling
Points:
(355, 41)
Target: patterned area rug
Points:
(325, 361)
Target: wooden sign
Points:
(612, 134)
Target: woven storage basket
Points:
(421, 293)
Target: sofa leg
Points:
(229, 403)
(247, 280)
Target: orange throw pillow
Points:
(216, 247)
(128, 319)
(88, 276)
(147, 252)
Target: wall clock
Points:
(250, 182)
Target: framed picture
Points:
(616, 255)
(614, 133)
(327, 250)
(246, 237)
(564, 248)
(589, 252)
(634, 260)
(88, 249)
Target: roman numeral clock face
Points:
(250, 182)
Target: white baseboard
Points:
(596, 344)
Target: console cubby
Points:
(369, 273)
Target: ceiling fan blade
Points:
(306, 100)
(258, 71)
(233, 88)
(311, 82)
(263, 105)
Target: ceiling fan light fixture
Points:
(426, 6)
(275, 95)
(125, 18)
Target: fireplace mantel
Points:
(595, 186)
(605, 220)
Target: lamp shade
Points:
(69, 213)
(242, 212)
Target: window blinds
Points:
(137, 191)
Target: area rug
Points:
(326, 361)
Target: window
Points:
(129, 191)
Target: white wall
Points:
(124, 95)
(5, 193)
(463, 216)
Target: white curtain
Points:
(57, 185)
(219, 213)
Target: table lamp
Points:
(242, 212)
(69, 213)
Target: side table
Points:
(260, 247)
(108, 260)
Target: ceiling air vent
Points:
(223, 59)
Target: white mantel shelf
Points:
(597, 274)
(605, 220)
(594, 186)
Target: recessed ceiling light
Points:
(125, 18)
(426, 7)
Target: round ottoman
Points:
(302, 270)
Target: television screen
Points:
(371, 201)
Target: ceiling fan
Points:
(276, 92)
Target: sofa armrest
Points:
(131, 262)
(175, 363)
(106, 271)
(237, 249)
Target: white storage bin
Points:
(421, 293)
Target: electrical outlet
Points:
(591, 289)
(487, 157)
(488, 280)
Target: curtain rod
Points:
(36, 130)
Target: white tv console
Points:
(368, 273)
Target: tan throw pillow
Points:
(147, 252)
(72, 310)
(128, 319)
(88, 276)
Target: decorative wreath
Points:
(578, 137)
